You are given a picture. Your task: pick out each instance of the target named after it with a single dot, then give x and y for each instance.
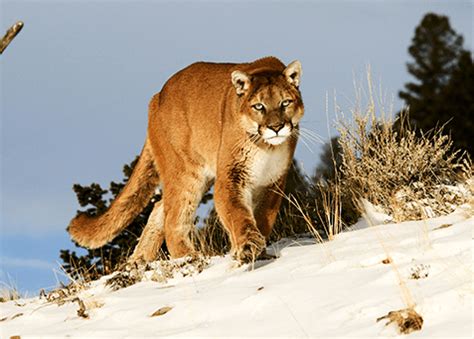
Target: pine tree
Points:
(442, 68)
(105, 260)
(330, 161)
(456, 102)
(435, 49)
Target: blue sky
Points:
(75, 85)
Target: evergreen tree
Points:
(104, 260)
(456, 102)
(442, 68)
(329, 161)
(435, 49)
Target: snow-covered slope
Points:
(335, 289)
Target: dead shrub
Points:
(410, 174)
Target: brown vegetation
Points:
(410, 176)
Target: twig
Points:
(10, 35)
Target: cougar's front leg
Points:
(233, 204)
(268, 205)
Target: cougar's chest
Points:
(268, 165)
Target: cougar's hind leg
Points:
(152, 237)
(182, 196)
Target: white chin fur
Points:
(275, 140)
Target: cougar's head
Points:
(270, 103)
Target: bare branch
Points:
(10, 35)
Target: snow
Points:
(333, 289)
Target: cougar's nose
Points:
(276, 127)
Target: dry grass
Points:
(211, 239)
(324, 211)
(330, 207)
(410, 175)
(8, 293)
(294, 217)
(9, 290)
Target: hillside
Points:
(333, 289)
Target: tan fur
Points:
(206, 126)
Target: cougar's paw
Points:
(249, 251)
(264, 255)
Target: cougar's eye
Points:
(259, 107)
(285, 103)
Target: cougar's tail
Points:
(94, 232)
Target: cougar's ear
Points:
(293, 73)
(241, 81)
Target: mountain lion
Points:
(234, 125)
